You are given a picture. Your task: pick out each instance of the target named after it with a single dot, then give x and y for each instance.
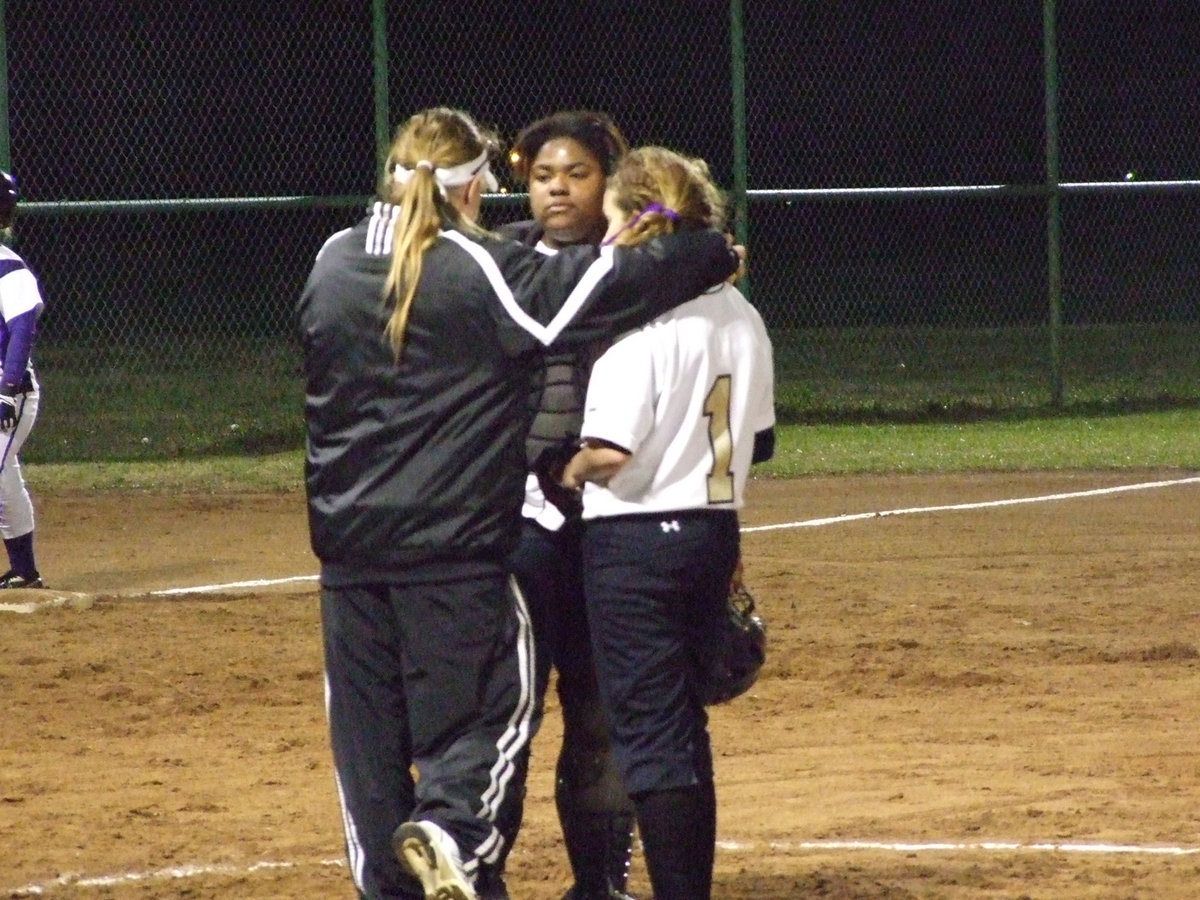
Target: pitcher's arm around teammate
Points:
(418, 331)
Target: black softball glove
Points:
(8, 409)
(549, 471)
(734, 667)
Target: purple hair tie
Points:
(652, 208)
(659, 208)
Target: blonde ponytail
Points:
(416, 226)
(438, 138)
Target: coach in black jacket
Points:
(452, 417)
(416, 413)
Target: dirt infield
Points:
(983, 702)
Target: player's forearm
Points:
(596, 463)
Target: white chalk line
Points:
(82, 601)
(198, 871)
(950, 846)
(172, 874)
(807, 523)
(33, 606)
(232, 585)
(985, 504)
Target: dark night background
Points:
(214, 98)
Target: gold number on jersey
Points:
(716, 408)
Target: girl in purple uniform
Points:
(20, 306)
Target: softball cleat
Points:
(12, 579)
(431, 856)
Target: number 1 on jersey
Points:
(716, 408)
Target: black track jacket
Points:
(424, 461)
(559, 387)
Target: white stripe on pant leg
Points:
(16, 509)
(516, 735)
(355, 856)
(514, 740)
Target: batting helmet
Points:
(8, 198)
(736, 664)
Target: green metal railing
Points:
(181, 163)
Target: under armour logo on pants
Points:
(673, 525)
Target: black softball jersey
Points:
(424, 460)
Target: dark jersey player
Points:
(566, 159)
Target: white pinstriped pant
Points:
(16, 509)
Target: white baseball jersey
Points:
(685, 395)
(18, 287)
(19, 293)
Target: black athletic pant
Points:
(549, 569)
(595, 813)
(656, 588)
(432, 677)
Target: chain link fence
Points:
(181, 161)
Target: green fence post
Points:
(5, 152)
(737, 40)
(1053, 212)
(383, 138)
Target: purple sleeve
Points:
(21, 333)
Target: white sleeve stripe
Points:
(579, 295)
(19, 294)
(380, 229)
(544, 333)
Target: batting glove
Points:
(8, 409)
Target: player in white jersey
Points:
(676, 412)
(20, 306)
(701, 375)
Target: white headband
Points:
(455, 176)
